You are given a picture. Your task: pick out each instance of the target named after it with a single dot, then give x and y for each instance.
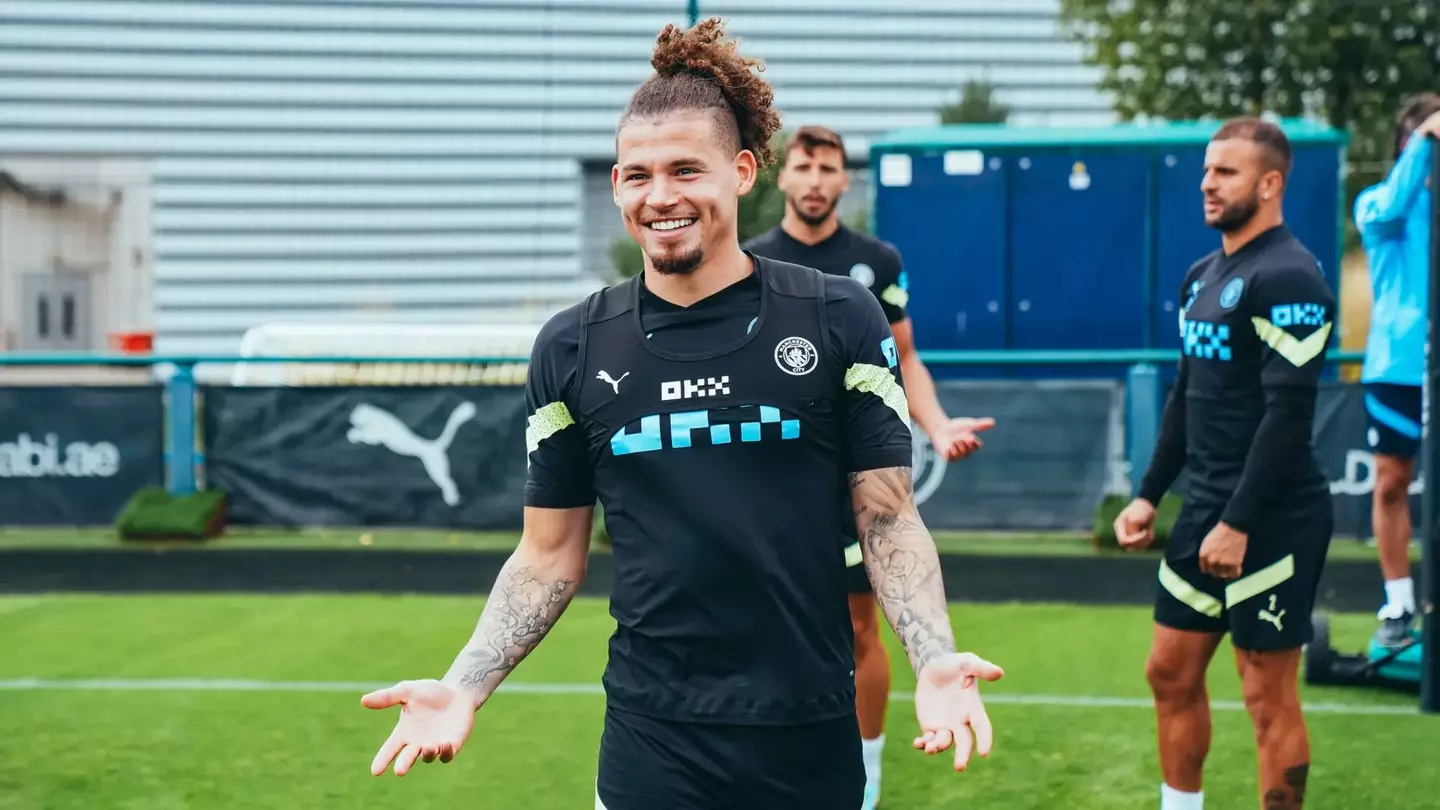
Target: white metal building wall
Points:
(420, 160)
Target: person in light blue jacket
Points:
(1393, 217)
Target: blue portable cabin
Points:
(1070, 238)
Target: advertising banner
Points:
(438, 457)
(73, 456)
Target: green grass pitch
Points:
(1073, 726)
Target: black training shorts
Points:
(1268, 607)
(652, 764)
(1393, 419)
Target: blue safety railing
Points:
(1144, 385)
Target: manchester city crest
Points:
(796, 356)
(1230, 296)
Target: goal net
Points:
(411, 344)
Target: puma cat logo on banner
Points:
(375, 426)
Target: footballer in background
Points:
(813, 178)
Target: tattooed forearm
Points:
(525, 603)
(1292, 795)
(902, 563)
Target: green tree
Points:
(1351, 64)
(977, 105)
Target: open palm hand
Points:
(435, 720)
(948, 706)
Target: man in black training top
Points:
(1247, 549)
(813, 178)
(713, 405)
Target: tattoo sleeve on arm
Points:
(524, 604)
(902, 563)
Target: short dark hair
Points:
(699, 69)
(811, 137)
(1414, 113)
(1275, 152)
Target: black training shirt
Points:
(717, 437)
(873, 263)
(1254, 330)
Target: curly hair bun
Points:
(700, 69)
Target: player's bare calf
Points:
(1272, 698)
(1175, 671)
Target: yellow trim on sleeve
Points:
(544, 423)
(1298, 352)
(895, 297)
(880, 382)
